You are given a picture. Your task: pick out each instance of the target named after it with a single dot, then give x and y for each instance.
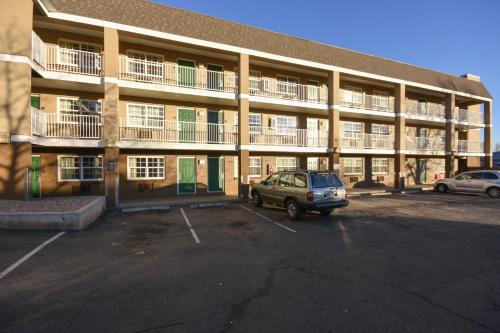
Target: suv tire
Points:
(293, 210)
(493, 192)
(325, 212)
(442, 188)
(256, 199)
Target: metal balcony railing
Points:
(361, 100)
(288, 136)
(65, 126)
(368, 141)
(426, 110)
(272, 88)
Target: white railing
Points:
(53, 125)
(59, 59)
(427, 110)
(172, 131)
(179, 76)
(38, 50)
(465, 146)
(425, 144)
(287, 136)
(289, 91)
(360, 100)
(471, 117)
(368, 141)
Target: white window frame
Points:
(380, 99)
(354, 95)
(147, 63)
(317, 162)
(381, 167)
(379, 129)
(80, 168)
(314, 97)
(255, 77)
(286, 166)
(255, 128)
(353, 172)
(147, 167)
(349, 130)
(284, 130)
(290, 84)
(259, 166)
(148, 116)
(79, 112)
(65, 49)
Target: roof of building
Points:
(145, 14)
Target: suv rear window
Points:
(320, 180)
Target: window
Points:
(353, 166)
(69, 108)
(287, 85)
(468, 176)
(284, 125)
(255, 122)
(142, 167)
(380, 129)
(313, 163)
(381, 99)
(68, 53)
(313, 91)
(144, 63)
(286, 180)
(273, 178)
(255, 79)
(286, 163)
(489, 175)
(255, 169)
(380, 166)
(145, 115)
(322, 180)
(300, 180)
(80, 168)
(352, 130)
(352, 95)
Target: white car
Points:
(484, 181)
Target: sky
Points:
(451, 36)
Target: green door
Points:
(215, 126)
(187, 175)
(36, 188)
(215, 77)
(187, 125)
(186, 73)
(216, 174)
(421, 171)
(35, 101)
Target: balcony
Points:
(467, 117)
(165, 74)
(368, 141)
(165, 132)
(67, 126)
(425, 145)
(271, 88)
(425, 110)
(363, 101)
(53, 58)
(287, 137)
(470, 147)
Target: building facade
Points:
(95, 101)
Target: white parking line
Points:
(406, 212)
(268, 219)
(195, 236)
(30, 254)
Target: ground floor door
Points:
(187, 125)
(186, 175)
(36, 185)
(421, 171)
(215, 129)
(216, 174)
(313, 163)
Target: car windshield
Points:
(319, 180)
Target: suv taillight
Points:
(310, 196)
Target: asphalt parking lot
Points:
(416, 263)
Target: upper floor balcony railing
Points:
(467, 116)
(272, 88)
(65, 126)
(59, 59)
(425, 110)
(361, 100)
(288, 136)
(161, 73)
(368, 141)
(425, 144)
(173, 131)
(474, 147)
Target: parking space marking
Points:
(268, 219)
(406, 212)
(195, 236)
(29, 255)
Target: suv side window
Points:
(464, 176)
(489, 175)
(300, 180)
(273, 178)
(286, 180)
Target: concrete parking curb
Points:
(145, 209)
(386, 193)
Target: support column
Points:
(16, 26)
(400, 137)
(450, 145)
(111, 116)
(243, 128)
(334, 122)
(488, 134)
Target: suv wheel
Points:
(293, 210)
(442, 188)
(494, 192)
(325, 212)
(257, 201)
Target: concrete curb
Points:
(145, 209)
(75, 220)
(187, 203)
(385, 193)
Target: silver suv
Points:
(301, 191)
(487, 181)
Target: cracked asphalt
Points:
(416, 263)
